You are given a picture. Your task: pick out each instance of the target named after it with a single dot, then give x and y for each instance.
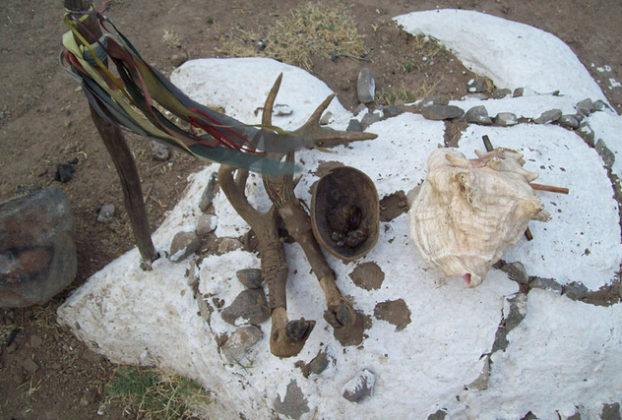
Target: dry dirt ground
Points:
(44, 121)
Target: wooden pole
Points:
(120, 154)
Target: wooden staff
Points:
(119, 153)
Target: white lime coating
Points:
(564, 357)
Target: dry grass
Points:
(391, 95)
(309, 30)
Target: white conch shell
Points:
(468, 211)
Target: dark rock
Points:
(250, 277)
(317, 365)
(183, 245)
(367, 275)
(240, 342)
(477, 85)
(505, 119)
(294, 404)
(584, 107)
(390, 111)
(359, 387)
(441, 112)
(106, 213)
(37, 249)
(516, 272)
(64, 172)
(370, 118)
(208, 193)
(365, 86)
(569, 121)
(439, 414)
(518, 92)
(354, 125)
(610, 412)
(549, 116)
(586, 133)
(393, 205)
(546, 284)
(395, 312)
(160, 151)
(478, 115)
(606, 155)
(250, 305)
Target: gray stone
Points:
(317, 365)
(441, 112)
(575, 291)
(250, 277)
(360, 387)
(610, 412)
(569, 121)
(250, 305)
(207, 223)
(294, 404)
(439, 414)
(546, 284)
(477, 85)
(326, 118)
(228, 245)
(370, 118)
(478, 115)
(436, 100)
(606, 155)
(501, 93)
(354, 125)
(240, 342)
(365, 86)
(518, 92)
(208, 193)
(584, 107)
(30, 366)
(516, 272)
(390, 111)
(281, 110)
(37, 248)
(599, 105)
(549, 116)
(360, 108)
(183, 245)
(160, 151)
(505, 119)
(106, 213)
(586, 133)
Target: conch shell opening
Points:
(468, 211)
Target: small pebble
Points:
(549, 116)
(159, 151)
(64, 172)
(441, 112)
(478, 115)
(365, 86)
(106, 213)
(584, 107)
(505, 119)
(518, 92)
(250, 277)
(183, 245)
(326, 118)
(360, 387)
(477, 85)
(569, 121)
(206, 224)
(281, 110)
(354, 125)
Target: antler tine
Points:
(266, 117)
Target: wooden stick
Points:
(121, 156)
(489, 148)
(549, 188)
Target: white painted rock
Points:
(563, 357)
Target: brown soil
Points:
(44, 121)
